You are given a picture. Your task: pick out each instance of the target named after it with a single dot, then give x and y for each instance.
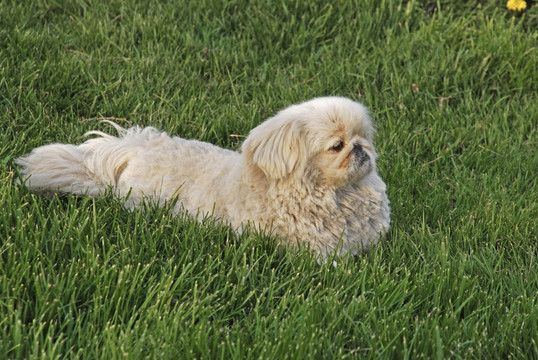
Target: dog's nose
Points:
(357, 148)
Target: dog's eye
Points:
(338, 146)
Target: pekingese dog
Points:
(308, 174)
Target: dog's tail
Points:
(86, 169)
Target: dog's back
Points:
(140, 163)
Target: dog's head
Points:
(329, 139)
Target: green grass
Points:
(453, 89)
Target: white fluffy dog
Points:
(308, 174)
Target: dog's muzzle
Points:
(360, 155)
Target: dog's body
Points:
(289, 177)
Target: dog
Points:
(308, 174)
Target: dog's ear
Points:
(277, 146)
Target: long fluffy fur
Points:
(284, 179)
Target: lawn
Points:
(453, 89)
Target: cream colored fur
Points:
(308, 174)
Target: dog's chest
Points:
(366, 214)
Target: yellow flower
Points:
(516, 5)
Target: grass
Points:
(453, 89)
